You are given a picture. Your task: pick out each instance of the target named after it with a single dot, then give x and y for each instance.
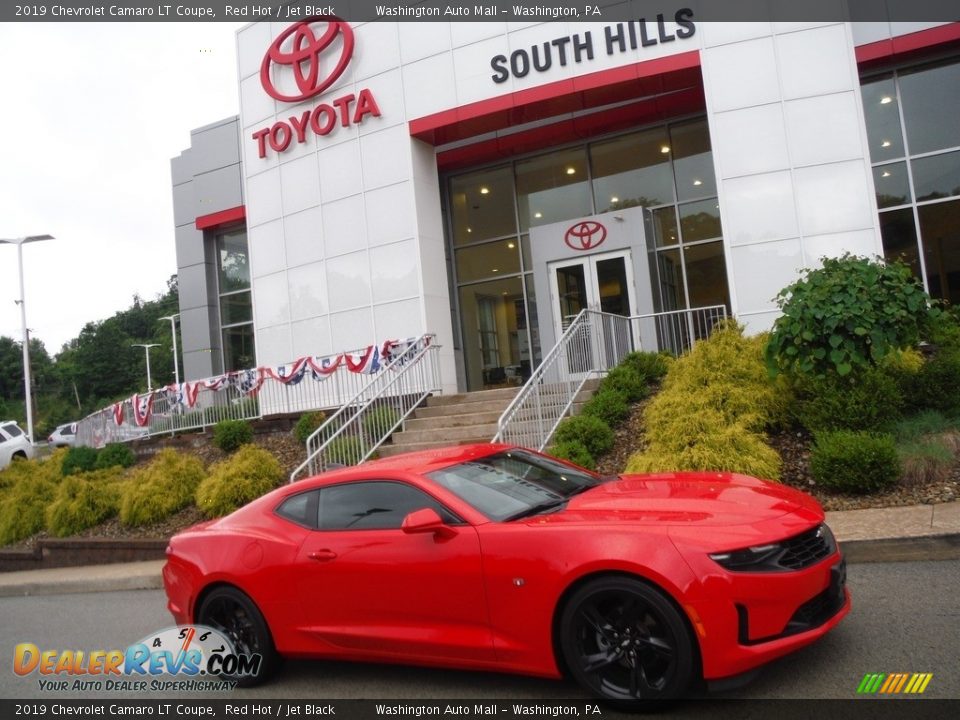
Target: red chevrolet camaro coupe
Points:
(494, 557)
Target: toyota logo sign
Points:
(585, 235)
(303, 57)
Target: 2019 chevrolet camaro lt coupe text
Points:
(494, 557)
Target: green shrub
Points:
(345, 450)
(870, 401)
(116, 454)
(650, 365)
(591, 432)
(229, 435)
(625, 379)
(160, 488)
(714, 405)
(854, 461)
(379, 420)
(609, 405)
(938, 382)
(924, 461)
(245, 476)
(81, 502)
(79, 459)
(847, 315)
(927, 422)
(574, 451)
(307, 424)
(22, 512)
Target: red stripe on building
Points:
(224, 217)
(903, 46)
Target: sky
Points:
(91, 115)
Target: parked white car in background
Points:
(63, 436)
(13, 443)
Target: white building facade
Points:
(485, 181)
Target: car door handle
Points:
(322, 555)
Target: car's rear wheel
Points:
(626, 642)
(232, 613)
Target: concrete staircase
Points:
(460, 419)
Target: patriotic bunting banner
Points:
(142, 407)
(117, 413)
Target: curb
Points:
(104, 578)
(903, 549)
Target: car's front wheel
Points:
(235, 615)
(625, 641)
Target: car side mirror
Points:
(426, 520)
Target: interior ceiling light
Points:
(886, 173)
(614, 199)
(495, 270)
(885, 143)
(484, 190)
(664, 149)
(469, 229)
(538, 214)
(571, 171)
(698, 182)
(511, 245)
(886, 100)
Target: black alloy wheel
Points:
(624, 641)
(232, 613)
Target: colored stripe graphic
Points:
(894, 683)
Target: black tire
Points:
(624, 641)
(231, 612)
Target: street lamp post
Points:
(173, 331)
(28, 399)
(146, 351)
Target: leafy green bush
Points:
(625, 379)
(246, 475)
(379, 420)
(591, 432)
(307, 424)
(938, 382)
(162, 487)
(83, 501)
(574, 451)
(116, 454)
(712, 409)
(609, 405)
(229, 435)
(650, 365)
(870, 401)
(847, 315)
(854, 461)
(345, 450)
(79, 459)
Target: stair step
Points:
(446, 421)
(446, 410)
(391, 450)
(479, 396)
(451, 435)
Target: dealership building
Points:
(486, 181)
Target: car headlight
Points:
(756, 557)
(795, 553)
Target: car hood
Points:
(687, 499)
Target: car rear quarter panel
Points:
(529, 568)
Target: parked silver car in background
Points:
(13, 443)
(63, 436)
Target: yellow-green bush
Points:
(164, 486)
(246, 475)
(23, 507)
(84, 500)
(715, 404)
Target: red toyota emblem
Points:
(585, 235)
(302, 55)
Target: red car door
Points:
(369, 589)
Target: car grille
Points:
(804, 550)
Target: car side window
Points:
(13, 431)
(374, 506)
(301, 509)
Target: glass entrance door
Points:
(600, 282)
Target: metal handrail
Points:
(355, 431)
(594, 343)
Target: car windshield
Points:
(513, 484)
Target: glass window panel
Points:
(238, 352)
(488, 260)
(533, 325)
(882, 114)
(552, 188)
(667, 278)
(940, 235)
(899, 234)
(892, 184)
(632, 170)
(931, 106)
(482, 205)
(692, 160)
(700, 220)
(573, 292)
(526, 252)
(235, 308)
(234, 265)
(612, 284)
(937, 176)
(490, 320)
(707, 275)
(373, 506)
(665, 226)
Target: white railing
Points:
(367, 420)
(594, 343)
(309, 383)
